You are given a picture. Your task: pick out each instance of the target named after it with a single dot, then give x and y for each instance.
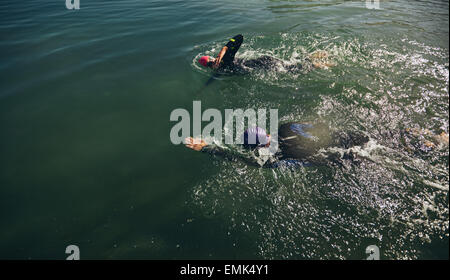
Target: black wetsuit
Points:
(231, 64)
(233, 46)
(298, 143)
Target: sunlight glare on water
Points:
(86, 157)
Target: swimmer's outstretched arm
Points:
(200, 145)
(219, 57)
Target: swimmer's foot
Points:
(442, 138)
(318, 59)
(427, 139)
(319, 55)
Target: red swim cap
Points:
(204, 60)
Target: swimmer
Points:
(226, 61)
(298, 144)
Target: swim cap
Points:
(204, 60)
(255, 136)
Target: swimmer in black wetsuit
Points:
(298, 145)
(226, 61)
(225, 58)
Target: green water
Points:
(86, 159)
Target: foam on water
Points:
(390, 196)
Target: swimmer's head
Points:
(256, 137)
(206, 61)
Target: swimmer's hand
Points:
(215, 65)
(219, 57)
(195, 144)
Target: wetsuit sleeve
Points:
(234, 156)
(235, 42)
(233, 46)
(228, 154)
(214, 150)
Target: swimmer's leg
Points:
(263, 62)
(350, 139)
(294, 69)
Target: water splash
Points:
(394, 195)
